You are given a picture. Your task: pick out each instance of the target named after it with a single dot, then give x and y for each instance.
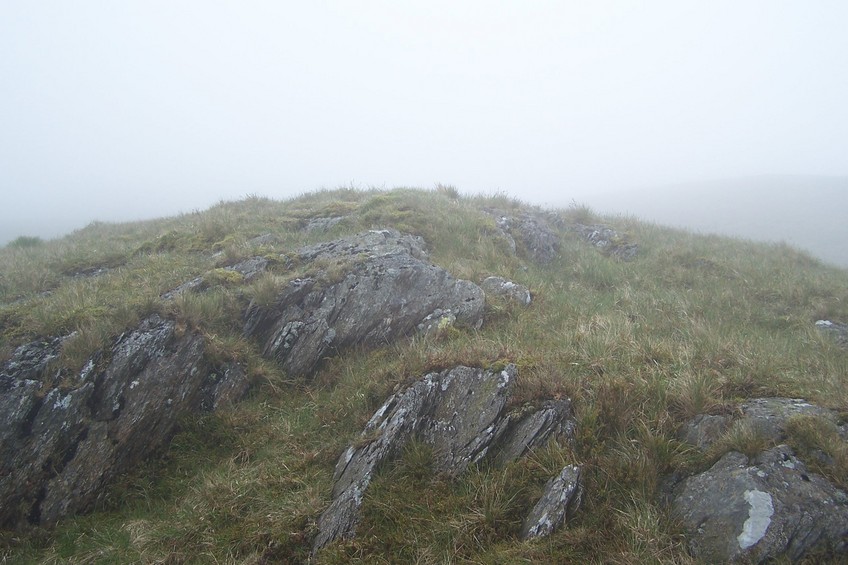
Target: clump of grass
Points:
(25, 241)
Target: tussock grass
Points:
(693, 325)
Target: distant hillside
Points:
(804, 211)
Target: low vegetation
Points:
(692, 325)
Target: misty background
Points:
(117, 111)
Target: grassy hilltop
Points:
(693, 324)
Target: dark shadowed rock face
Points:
(460, 413)
(385, 290)
(59, 447)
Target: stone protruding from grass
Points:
(530, 235)
(371, 289)
(608, 240)
(66, 436)
(460, 413)
(761, 508)
(507, 290)
(559, 502)
(838, 331)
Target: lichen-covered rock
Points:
(769, 416)
(760, 509)
(508, 290)
(559, 501)
(59, 446)
(381, 290)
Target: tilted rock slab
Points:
(761, 509)
(383, 291)
(59, 447)
(561, 498)
(460, 412)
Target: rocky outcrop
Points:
(507, 290)
(764, 507)
(64, 436)
(559, 502)
(375, 288)
(460, 413)
(760, 509)
(608, 240)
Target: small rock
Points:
(836, 330)
(607, 239)
(498, 286)
(323, 224)
(704, 430)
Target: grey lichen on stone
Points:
(561, 498)
(505, 289)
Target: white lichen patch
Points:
(759, 518)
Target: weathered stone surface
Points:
(264, 239)
(608, 240)
(382, 290)
(559, 501)
(499, 286)
(761, 509)
(194, 284)
(531, 234)
(250, 268)
(454, 411)
(323, 224)
(59, 447)
(769, 416)
(555, 419)
(704, 430)
(836, 330)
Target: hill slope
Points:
(639, 339)
(803, 211)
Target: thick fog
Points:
(134, 109)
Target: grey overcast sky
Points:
(116, 110)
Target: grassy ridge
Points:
(694, 324)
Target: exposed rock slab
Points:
(508, 290)
(761, 509)
(382, 290)
(530, 234)
(561, 498)
(60, 446)
(554, 419)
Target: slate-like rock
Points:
(760, 509)
(381, 290)
(60, 446)
(508, 290)
(554, 419)
(559, 501)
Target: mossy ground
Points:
(693, 324)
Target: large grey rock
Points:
(559, 501)
(769, 416)
(461, 414)
(60, 445)
(508, 290)
(765, 508)
(377, 289)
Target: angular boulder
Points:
(377, 287)
(530, 234)
(608, 240)
(560, 500)
(62, 443)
